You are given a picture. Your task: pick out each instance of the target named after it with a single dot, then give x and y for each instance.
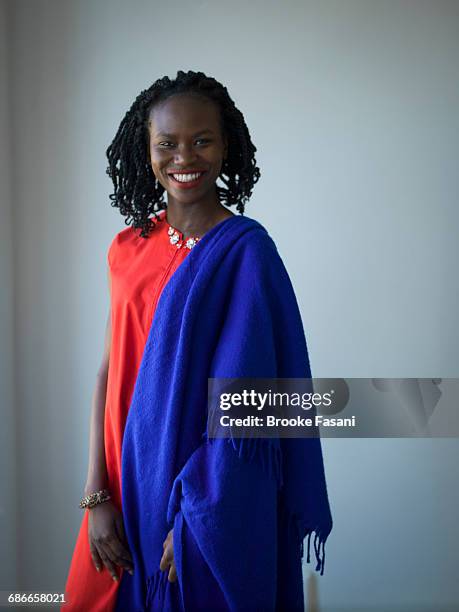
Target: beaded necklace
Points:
(176, 237)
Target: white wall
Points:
(353, 108)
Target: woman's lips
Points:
(187, 184)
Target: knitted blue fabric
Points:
(240, 508)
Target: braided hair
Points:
(137, 192)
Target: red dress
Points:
(139, 269)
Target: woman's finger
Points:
(172, 577)
(119, 526)
(108, 563)
(166, 560)
(168, 554)
(98, 563)
(117, 553)
(116, 559)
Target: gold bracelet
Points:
(95, 498)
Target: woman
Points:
(197, 523)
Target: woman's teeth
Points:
(185, 178)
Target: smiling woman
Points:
(205, 147)
(176, 126)
(175, 520)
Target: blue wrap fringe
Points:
(268, 453)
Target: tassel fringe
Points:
(299, 531)
(268, 453)
(319, 549)
(265, 451)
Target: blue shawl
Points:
(240, 508)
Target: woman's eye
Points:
(167, 144)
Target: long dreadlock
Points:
(137, 192)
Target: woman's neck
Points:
(195, 219)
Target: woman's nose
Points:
(184, 155)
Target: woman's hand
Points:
(167, 560)
(107, 539)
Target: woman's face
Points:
(186, 139)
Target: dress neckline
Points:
(176, 237)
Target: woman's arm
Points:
(107, 539)
(97, 469)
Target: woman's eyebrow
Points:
(167, 135)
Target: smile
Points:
(187, 180)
